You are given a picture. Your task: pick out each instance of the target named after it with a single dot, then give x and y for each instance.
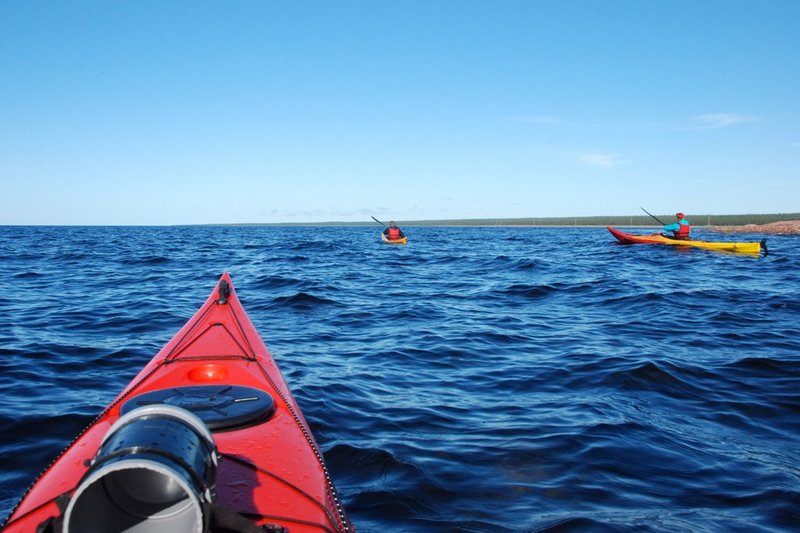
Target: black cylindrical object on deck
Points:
(155, 472)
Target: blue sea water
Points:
(477, 379)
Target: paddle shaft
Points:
(652, 215)
(379, 222)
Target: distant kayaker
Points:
(393, 232)
(680, 229)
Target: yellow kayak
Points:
(738, 247)
(387, 240)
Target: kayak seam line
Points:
(342, 521)
(332, 493)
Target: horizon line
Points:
(589, 221)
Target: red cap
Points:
(678, 215)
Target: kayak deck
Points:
(270, 470)
(738, 247)
(387, 240)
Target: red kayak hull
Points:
(271, 472)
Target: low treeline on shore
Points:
(612, 220)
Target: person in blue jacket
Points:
(680, 229)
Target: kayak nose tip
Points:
(224, 292)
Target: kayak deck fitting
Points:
(212, 431)
(738, 247)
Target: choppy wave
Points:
(484, 379)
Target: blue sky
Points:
(160, 112)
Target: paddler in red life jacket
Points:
(680, 229)
(393, 232)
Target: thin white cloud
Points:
(705, 121)
(723, 120)
(600, 159)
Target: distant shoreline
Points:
(781, 227)
(771, 223)
(699, 221)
